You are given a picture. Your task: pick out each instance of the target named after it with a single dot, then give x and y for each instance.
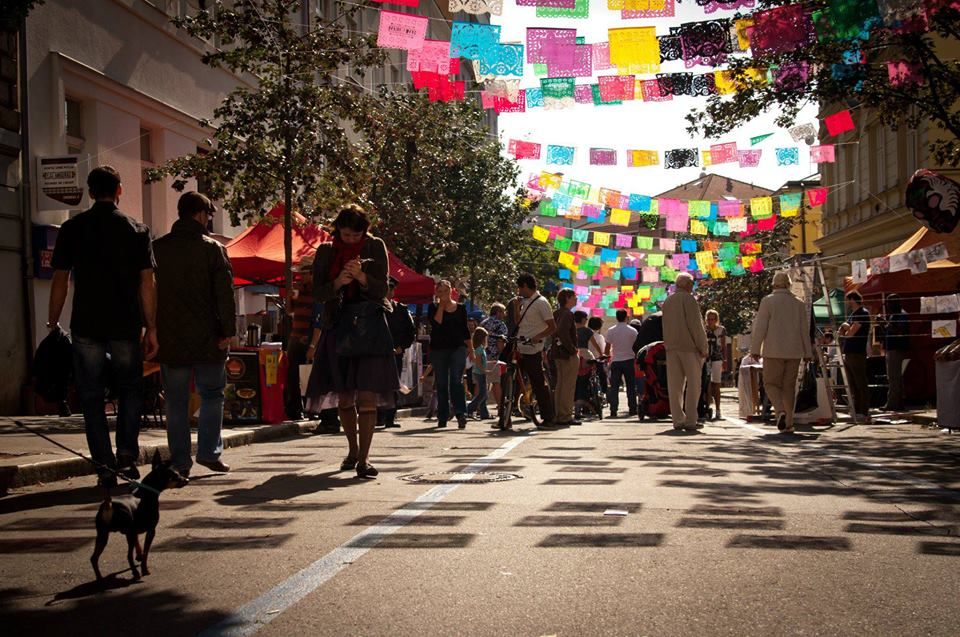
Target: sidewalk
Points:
(26, 459)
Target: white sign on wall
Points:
(61, 182)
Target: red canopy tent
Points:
(256, 255)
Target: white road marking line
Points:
(252, 616)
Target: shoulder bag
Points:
(506, 354)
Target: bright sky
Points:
(635, 125)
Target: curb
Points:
(53, 470)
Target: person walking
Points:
(855, 332)
(496, 340)
(404, 333)
(114, 299)
(896, 342)
(350, 279)
(196, 317)
(716, 355)
(685, 340)
(781, 335)
(535, 323)
(450, 346)
(621, 338)
(479, 370)
(304, 334)
(566, 358)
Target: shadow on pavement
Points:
(601, 540)
(288, 486)
(114, 610)
(64, 497)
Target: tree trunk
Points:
(288, 245)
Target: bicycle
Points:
(596, 399)
(515, 392)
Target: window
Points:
(146, 155)
(73, 124)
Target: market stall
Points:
(256, 372)
(920, 288)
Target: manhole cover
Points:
(450, 477)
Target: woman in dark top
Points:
(351, 269)
(449, 350)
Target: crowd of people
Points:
(172, 299)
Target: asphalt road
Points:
(732, 531)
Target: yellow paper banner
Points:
(601, 238)
(620, 217)
(635, 50)
(541, 234)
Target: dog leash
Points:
(96, 464)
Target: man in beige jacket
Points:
(685, 339)
(781, 333)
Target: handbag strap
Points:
(516, 330)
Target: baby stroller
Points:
(704, 410)
(652, 362)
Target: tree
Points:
(847, 62)
(736, 298)
(13, 12)
(446, 199)
(284, 137)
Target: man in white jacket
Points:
(781, 334)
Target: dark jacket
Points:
(402, 329)
(195, 305)
(376, 271)
(565, 340)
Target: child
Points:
(432, 407)
(479, 402)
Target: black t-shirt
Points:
(896, 337)
(584, 334)
(106, 250)
(857, 344)
(453, 332)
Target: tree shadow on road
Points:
(288, 486)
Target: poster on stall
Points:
(944, 329)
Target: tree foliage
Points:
(283, 136)
(737, 298)
(446, 199)
(849, 66)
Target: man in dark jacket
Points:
(114, 299)
(404, 332)
(195, 320)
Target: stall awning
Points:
(836, 306)
(256, 255)
(941, 276)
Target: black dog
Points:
(135, 514)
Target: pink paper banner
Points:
(668, 11)
(823, 154)
(603, 157)
(539, 39)
(749, 158)
(601, 56)
(723, 153)
(728, 208)
(401, 30)
(503, 105)
(580, 64)
(583, 94)
(678, 222)
(434, 56)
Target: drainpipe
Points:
(26, 224)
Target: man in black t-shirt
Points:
(855, 333)
(114, 298)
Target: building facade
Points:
(115, 82)
(864, 215)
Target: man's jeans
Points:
(210, 379)
(95, 362)
(622, 370)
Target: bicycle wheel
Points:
(505, 408)
(528, 407)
